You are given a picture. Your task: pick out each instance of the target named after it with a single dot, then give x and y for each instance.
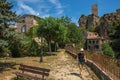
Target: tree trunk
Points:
(49, 45)
(56, 46)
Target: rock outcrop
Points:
(82, 21)
(107, 20)
(92, 20)
(87, 21)
(103, 22)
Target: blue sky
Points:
(58, 8)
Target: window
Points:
(88, 47)
(93, 42)
(97, 42)
(96, 47)
(23, 19)
(89, 41)
(23, 29)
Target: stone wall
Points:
(96, 69)
(99, 72)
(95, 9)
(28, 21)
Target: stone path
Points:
(67, 69)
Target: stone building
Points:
(28, 21)
(93, 41)
(95, 9)
(90, 20)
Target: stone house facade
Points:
(27, 22)
(93, 41)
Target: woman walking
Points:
(81, 59)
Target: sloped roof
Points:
(25, 15)
(92, 35)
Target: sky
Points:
(57, 8)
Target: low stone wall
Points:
(98, 71)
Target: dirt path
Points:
(62, 66)
(66, 69)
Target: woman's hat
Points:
(81, 49)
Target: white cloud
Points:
(31, 1)
(57, 3)
(28, 9)
(40, 8)
(58, 6)
(60, 12)
(23, 8)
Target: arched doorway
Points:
(24, 29)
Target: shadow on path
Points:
(49, 54)
(4, 65)
(75, 74)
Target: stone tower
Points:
(95, 9)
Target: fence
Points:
(109, 65)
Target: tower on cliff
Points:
(95, 9)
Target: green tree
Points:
(32, 32)
(107, 50)
(60, 32)
(74, 34)
(65, 20)
(6, 15)
(32, 46)
(53, 30)
(91, 28)
(116, 41)
(45, 29)
(10, 41)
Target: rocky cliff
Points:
(107, 21)
(87, 21)
(103, 22)
(82, 21)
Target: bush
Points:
(107, 50)
(34, 48)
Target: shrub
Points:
(107, 50)
(34, 48)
